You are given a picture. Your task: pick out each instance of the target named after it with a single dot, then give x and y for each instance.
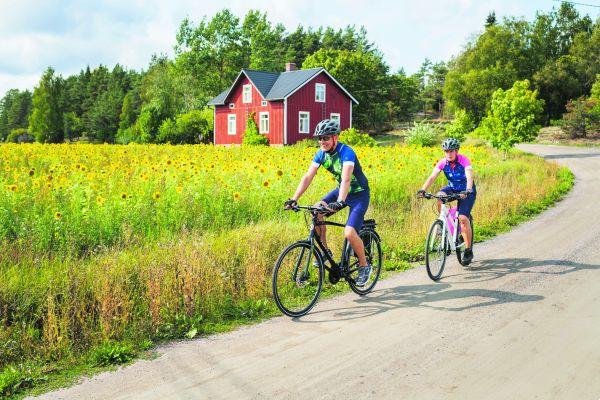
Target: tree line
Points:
(558, 52)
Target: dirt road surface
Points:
(522, 322)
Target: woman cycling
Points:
(459, 173)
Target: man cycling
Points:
(459, 172)
(352, 190)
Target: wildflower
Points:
(266, 183)
(236, 196)
(57, 216)
(156, 195)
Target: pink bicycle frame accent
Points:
(450, 218)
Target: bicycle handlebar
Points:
(319, 210)
(443, 199)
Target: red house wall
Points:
(242, 110)
(336, 101)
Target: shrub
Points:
(581, 117)
(354, 137)
(19, 136)
(462, 125)
(191, 127)
(251, 136)
(423, 134)
(111, 353)
(512, 116)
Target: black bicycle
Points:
(299, 271)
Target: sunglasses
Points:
(324, 138)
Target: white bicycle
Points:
(444, 237)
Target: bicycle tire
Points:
(287, 284)
(436, 229)
(374, 255)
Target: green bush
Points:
(20, 135)
(513, 116)
(191, 127)
(462, 125)
(423, 134)
(354, 137)
(251, 136)
(581, 118)
(111, 353)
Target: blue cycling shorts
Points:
(358, 204)
(464, 205)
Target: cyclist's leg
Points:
(445, 191)
(322, 229)
(358, 203)
(464, 210)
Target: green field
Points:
(106, 250)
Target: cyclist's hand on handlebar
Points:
(464, 194)
(290, 204)
(336, 206)
(420, 193)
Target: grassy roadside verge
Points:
(230, 268)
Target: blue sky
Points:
(68, 35)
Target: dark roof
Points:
(263, 81)
(289, 81)
(275, 85)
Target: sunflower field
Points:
(139, 243)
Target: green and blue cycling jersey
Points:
(334, 162)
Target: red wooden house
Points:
(288, 105)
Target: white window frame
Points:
(339, 117)
(231, 118)
(247, 93)
(317, 86)
(260, 122)
(263, 103)
(300, 117)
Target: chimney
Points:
(290, 67)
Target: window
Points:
(264, 103)
(264, 122)
(335, 117)
(247, 94)
(304, 122)
(320, 92)
(231, 105)
(231, 124)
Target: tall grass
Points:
(146, 268)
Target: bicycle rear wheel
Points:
(435, 250)
(374, 256)
(297, 283)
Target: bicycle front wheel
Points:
(374, 257)
(435, 250)
(297, 279)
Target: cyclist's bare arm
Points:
(347, 170)
(306, 180)
(469, 175)
(431, 179)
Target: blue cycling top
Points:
(455, 172)
(335, 160)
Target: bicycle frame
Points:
(314, 238)
(449, 218)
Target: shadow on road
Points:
(443, 296)
(486, 270)
(437, 296)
